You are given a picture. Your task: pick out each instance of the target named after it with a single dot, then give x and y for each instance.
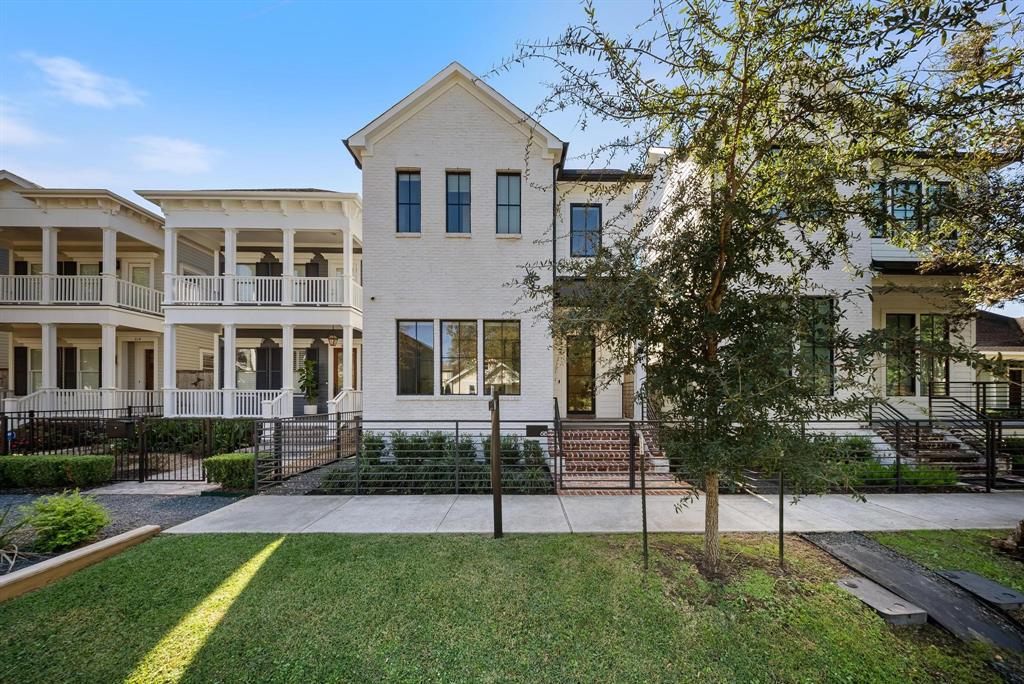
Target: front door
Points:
(149, 364)
(579, 376)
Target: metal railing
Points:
(993, 398)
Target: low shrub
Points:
(231, 471)
(55, 470)
(871, 473)
(63, 520)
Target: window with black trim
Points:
(906, 201)
(408, 202)
(458, 357)
(416, 357)
(584, 229)
(502, 363)
(900, 359)
(457, 199)
(933, 330)
(940, 199)
(816, 344)
(509, 210)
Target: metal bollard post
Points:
(496, 461)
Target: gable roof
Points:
(361, 140)
(996, 332)
(6, 175)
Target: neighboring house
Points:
(273, 277)
(80, 299)
(461, 189)
(1001, 338)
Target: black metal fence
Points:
(144, 447)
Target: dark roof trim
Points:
(602, 175)
(359, 164)
(913, 268)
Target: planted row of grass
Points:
(241, 608)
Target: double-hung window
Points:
(457, 200)
(501, 357)
(509, 210)
(408, 202)
(584, 229)
(458, 357)
(415, 357)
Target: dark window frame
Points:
(814, 345)
(399, 203)
(927, 366)
(600, 227)
(498, 206)
(592, 376)
(462, 229)
(917, 196)
(461, 358)
(503, 357)
(897, 374)
(398, 357)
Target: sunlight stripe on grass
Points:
(168, 660)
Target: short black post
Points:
(359, 449)
(899, 459)
(643, 512)
(337, 436)
(32, 431)
(496, 461)
(457, 456)
(990, 455)
(632, 456)
(143, 450)
(5, 447)
(782, 519)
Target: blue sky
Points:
(238, 94)
(243, 94)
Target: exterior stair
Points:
(931, 446)
(595, 460)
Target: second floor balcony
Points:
(231, 290)
(79, 290)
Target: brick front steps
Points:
(595, 461)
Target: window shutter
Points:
(20, 268)
(21, 370)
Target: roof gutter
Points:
(359, 164)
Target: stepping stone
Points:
(988, 591)
(888, 605)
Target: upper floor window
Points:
(458, 201)
(584, 229)
(906, 201)
(509, 198)
(408, 201)
(940, 197)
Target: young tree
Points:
(759, 134)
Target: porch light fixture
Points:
(332, 338)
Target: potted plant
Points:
(309, 386)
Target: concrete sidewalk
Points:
(738, 513)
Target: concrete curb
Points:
(49, 571)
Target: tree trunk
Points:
(712, 542)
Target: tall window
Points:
(458, 357)
(88, 369)
(900, 358)
(933, 330)
(501, 357)
(458, 202)
(415, 357)
(408, 201)
(940, 196)
(906, 201)
(816, 343)
(584, 229)
(509, 209)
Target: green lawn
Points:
(312, 608)
(969, 550)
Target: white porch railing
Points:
(196, 403)
(86, 400)
(87, 290)
(196, 289)
(147, 400)
(249, 403)
(286, 290)
(347, 401)
(280, 406)
(139, 297)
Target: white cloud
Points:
(15, 131)
(75, 82)
(173, 154)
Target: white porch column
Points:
(346, 357)
(348, 267)
(288, 267)
(108, 364)
(109, 266)
(49, 263)
(230, 263)
(170, 263)
(48, 332)
(170, 368)
(229, 370)
(287, 357)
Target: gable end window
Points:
(509, 209)
(408, 202)
(584, 229)
(457, 199)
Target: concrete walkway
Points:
(738, 513)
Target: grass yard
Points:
(568, 608)
(969, 550)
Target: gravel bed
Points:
(128, 511)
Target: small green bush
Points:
(232, 471)
(64, 520)
(55, 470)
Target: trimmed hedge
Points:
(231, 471)
(55, 470)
